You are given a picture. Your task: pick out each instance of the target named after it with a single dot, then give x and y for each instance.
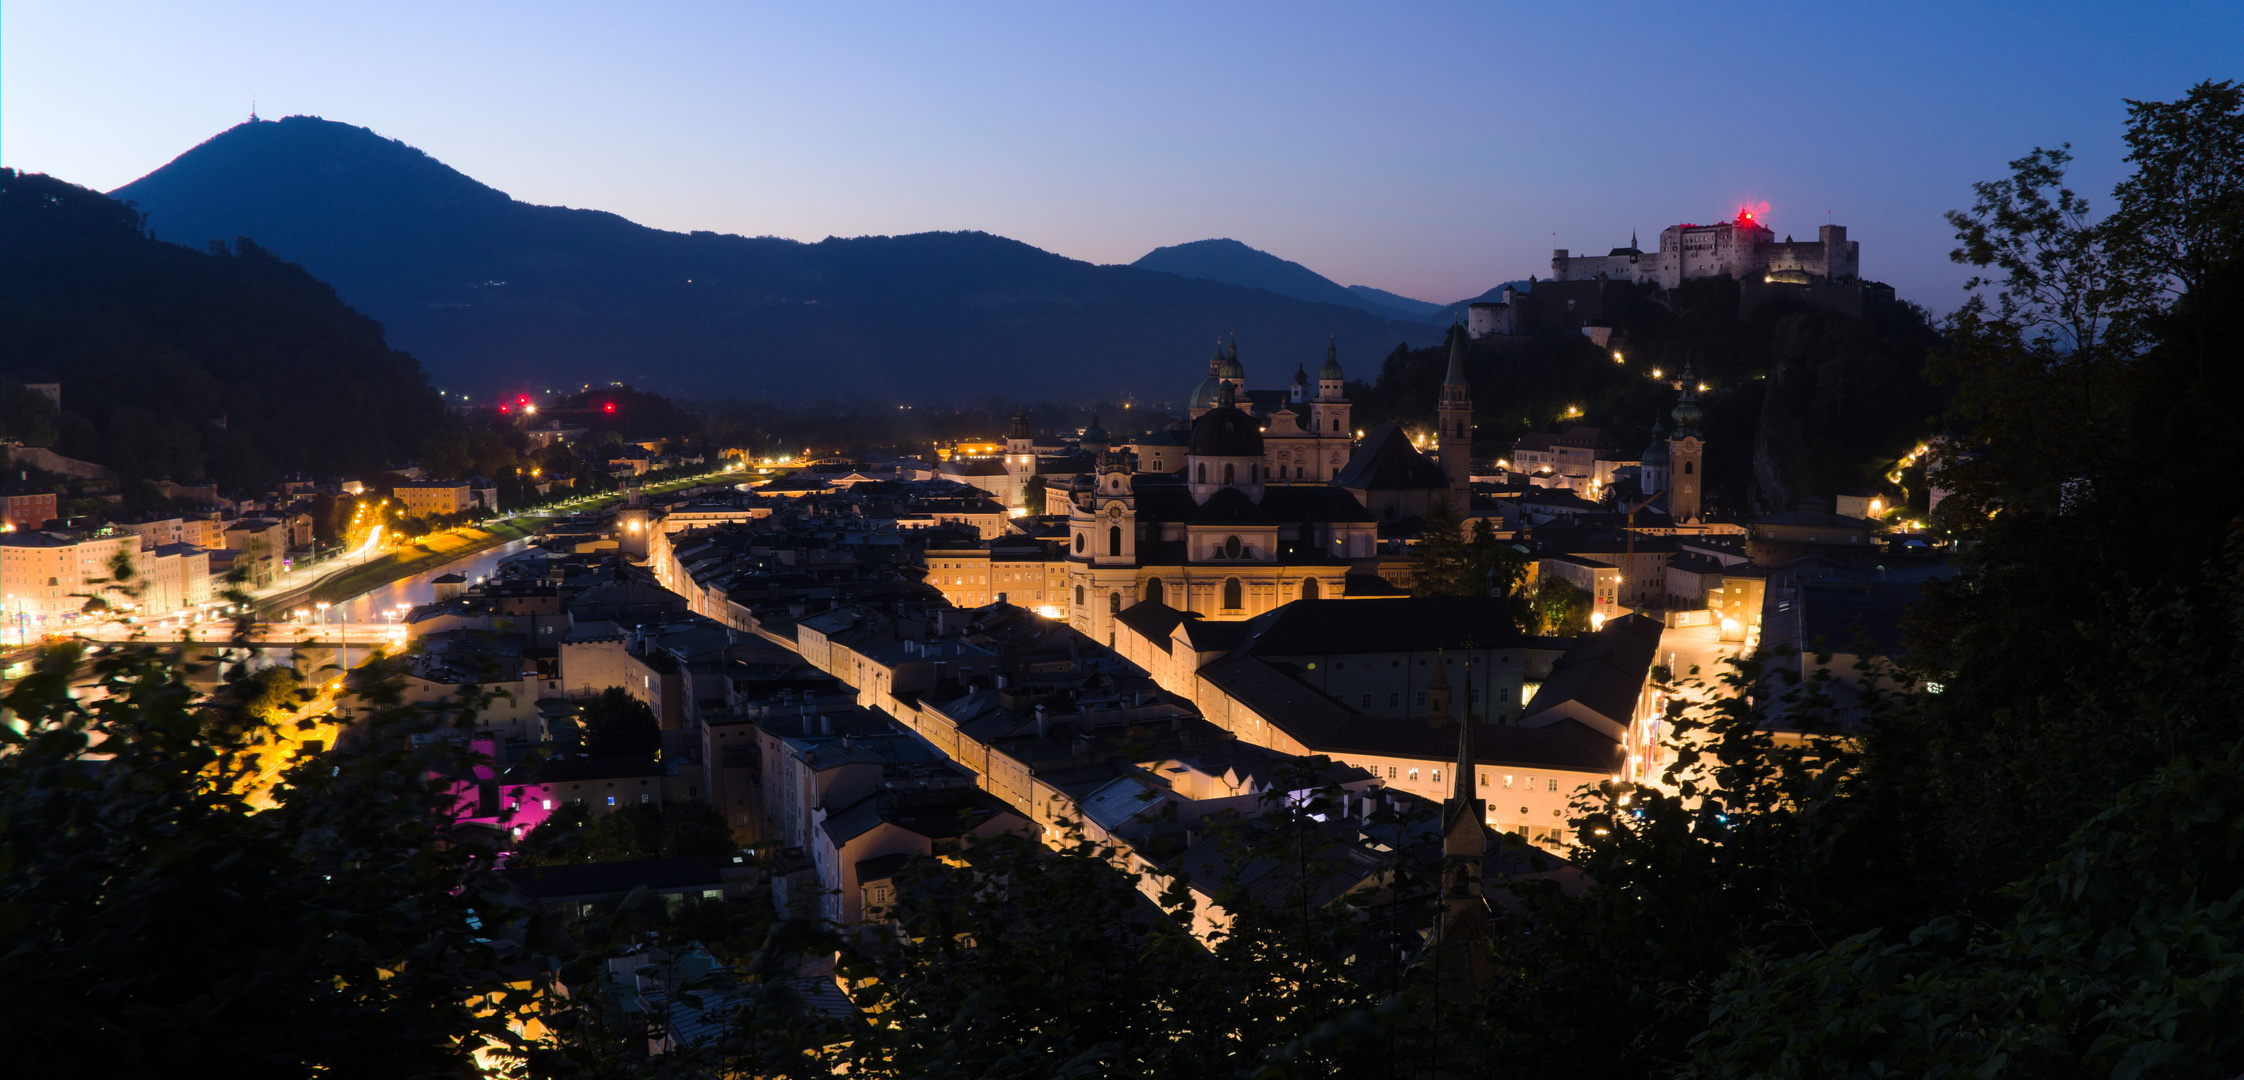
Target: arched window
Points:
(1297, 472)
(1228, 475)
(1687, 466)
(1231, 547)
(1079, 596)
(1309, 589)
(1114, 603)
(1254, 472)
(1079, 543)
(1203, 472)
(1234, 595)
(1114, 540)
(1155, 592)
(1336, 423)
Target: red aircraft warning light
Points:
(504, 408)
(609, 407)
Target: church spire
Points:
(1453, 425)
(1456, 376)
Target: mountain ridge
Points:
(493, 293)
(1233, 262)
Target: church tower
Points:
(1651, 472)
(1462, 935)
(1454, 424)
(1020, 461)
(1686, 448)
(1330, 411)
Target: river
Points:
(419, 589)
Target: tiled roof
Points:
(1387, 462)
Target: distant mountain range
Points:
(494, 294)
(1234, 263)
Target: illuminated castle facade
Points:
(1742, 248)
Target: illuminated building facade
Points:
(1741, 248)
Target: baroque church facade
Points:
(1258, 516)
(1264, 498)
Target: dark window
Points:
(1227, 473)
(1114, 540)
(1154, 590)
(1113, 603)
(1688, 467)
(1234, 595)
(1203, 472)
(1079, 543)
(1079, 596)
(1309, 589)
(1231, 548)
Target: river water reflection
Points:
(418, 589)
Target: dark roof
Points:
(587, 768)
(542, 882)
(1153, 620)
(1312, 502)
(1605, 670)
(1387, 462)
(937, 815)
(1165, 503)
(1226, 432)
(1230, 506)
(1327, 726)
(1361, 585)
(1404, 624)
(1831, 612)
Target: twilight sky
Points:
(1430, 149)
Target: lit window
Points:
(1437, 776)
(1413, 774)
(611, 800)
(1507, 780)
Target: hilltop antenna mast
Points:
(253, 106)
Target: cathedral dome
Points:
(1204, 395)
(1226, 431)
(1231, 370)
(1656, 454)
(1094, 435)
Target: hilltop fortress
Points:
(1744, 249)
(1583, 290)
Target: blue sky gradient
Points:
(1429, 149)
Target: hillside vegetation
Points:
(1774, 378)
(226, 363)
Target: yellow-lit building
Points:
(424, 498)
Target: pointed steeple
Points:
(1632, 241)
(1463, 796)
(1456, 376)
